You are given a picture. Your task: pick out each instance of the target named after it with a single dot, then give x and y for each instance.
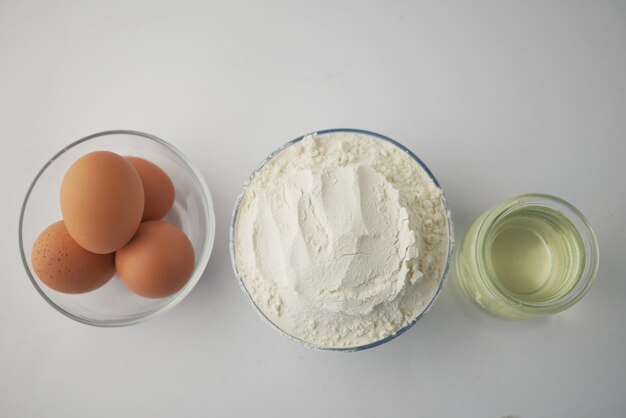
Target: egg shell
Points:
(158, 189)
(157, 262)
(102, 201)
(65, 266)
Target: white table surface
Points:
(498, 98)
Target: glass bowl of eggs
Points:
(116, 228)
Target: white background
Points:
(498, 98)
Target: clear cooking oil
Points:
(533, 255)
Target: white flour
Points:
(341, 239)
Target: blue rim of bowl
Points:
(198, 271)
(444, 274)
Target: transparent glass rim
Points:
(209, 217)
(444, 274)
(584, 229)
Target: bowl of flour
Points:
(341, 239)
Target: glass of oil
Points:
(531, 256)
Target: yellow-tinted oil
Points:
(520, 259)
(535, 254)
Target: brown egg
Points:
(102, 201)
(65, 266)
(157, 262)
(158, 189)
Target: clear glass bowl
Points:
(113, 304)
(444, 274)
(564, 286)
